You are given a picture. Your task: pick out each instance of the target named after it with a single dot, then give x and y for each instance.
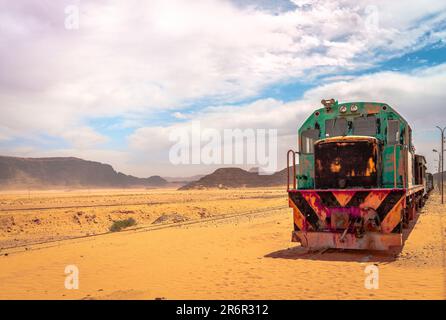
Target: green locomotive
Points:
(359, 181)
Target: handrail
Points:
(406, 169)
(288, 168)
(395, 166)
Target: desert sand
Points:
(54, 215)
(242, 257)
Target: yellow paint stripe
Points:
(393, 217)
(299, 218)
(343, 197)
(374, 199)
(315, 202)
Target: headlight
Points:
(354, 108)
(343, 109)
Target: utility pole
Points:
(438, 170)
(442, 162)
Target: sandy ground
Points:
(248, 257)
(53, 215)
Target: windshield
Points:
(336, 127)
(365, 126)
(346, 164)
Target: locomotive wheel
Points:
(419, 205)
(405, 220)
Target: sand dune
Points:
(248, 257)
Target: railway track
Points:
(128, 204)
(144, 228)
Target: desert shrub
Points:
(118, 225)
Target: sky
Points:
(109, 80)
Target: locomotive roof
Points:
(378, 109)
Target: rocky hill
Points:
(237, 178)
(183, 180)
(66, 172)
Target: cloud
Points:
(84, 138)
(179, 115)
(131, 60)
(137, 56)
(419, 96)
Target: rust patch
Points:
(343, 197)
(393, 217)
(298, 217)
(344, 164)
(370, 241)
(335, 166)
(372, 108)
(402, 166)
(371, 168)
(315, 202)
(345, 139)
(374, 199)
(339, 219)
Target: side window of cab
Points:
(308, 138)
(393, 132)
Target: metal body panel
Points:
(370, 241)
(396, 157)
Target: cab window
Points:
(393, 132)
(336, 127)
(365, 126)
(308, 139)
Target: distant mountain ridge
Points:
(183, 179)
(238, 178)
(66, 172)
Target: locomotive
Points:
(358, 181)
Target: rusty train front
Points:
(358, 181)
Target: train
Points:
(429, 182)
(358, 181)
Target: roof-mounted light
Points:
(328, 103)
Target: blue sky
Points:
(113, 87)
(294, 89)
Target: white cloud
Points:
(419, 96)
(180, 115)
(130, 59)
(84, 138)
(136, 56)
